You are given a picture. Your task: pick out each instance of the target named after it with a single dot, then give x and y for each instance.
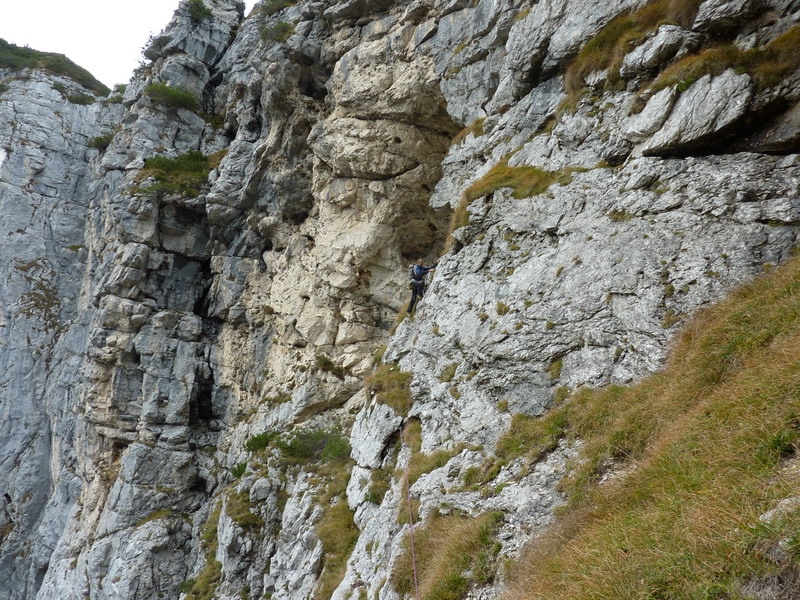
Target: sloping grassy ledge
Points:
(704, 445)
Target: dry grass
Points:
(475, 128)
(607, 49)
(391, 386)
(768, 65)
(338, 533)
(524, 181)
(452, 552)
(705, 439)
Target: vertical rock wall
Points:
(164, 347)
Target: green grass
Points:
(238, 509)
(338, 533)
(15, 58)
(448, 373)
(172, 97)
(324, 363)
(185, 174)
(314, 445)
(391, 386)
(204, 585)
(703, 444)
(475, 128)
(452, 553)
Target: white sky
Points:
(105, 37)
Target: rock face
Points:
(183, 358)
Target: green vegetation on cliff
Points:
(15, 58)
(675, 472)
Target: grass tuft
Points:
(768, 65)
(524, 181)
(172, 97)
(278, 32)
(620, 35)
(391, 387)
(338, 533)
(184, 174)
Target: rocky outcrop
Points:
(189, 314)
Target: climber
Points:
(418, 273)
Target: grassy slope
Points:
(705, 445)
(16, 58)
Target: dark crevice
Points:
(201, 408)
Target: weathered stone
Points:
(669, 42)
(159, 349)
(708, 108)
(714, 16)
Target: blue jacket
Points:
(420, 272)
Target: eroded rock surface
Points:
(166, 348)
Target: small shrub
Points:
(198, 10)
(172, 97)
(327, 365)
(184, 175)
(270, 7)
(278, 32)
(308, 445)
(502, 308)
(80, 98)
(260, 441)
(238, 470)
(101, 142)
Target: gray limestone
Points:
(148, 337)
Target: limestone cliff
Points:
(201, 272)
